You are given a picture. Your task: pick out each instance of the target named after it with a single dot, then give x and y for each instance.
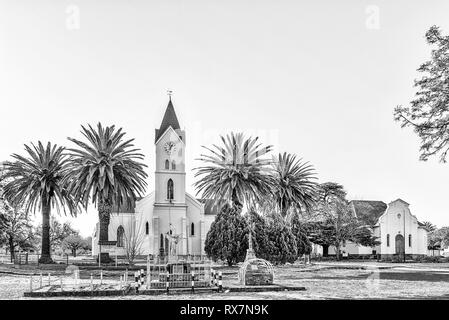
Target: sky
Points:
(319, 79)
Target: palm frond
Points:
(106, 167)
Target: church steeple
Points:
(169, 119)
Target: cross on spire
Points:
(169, 92)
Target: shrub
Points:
(227, 239)
(282, 246)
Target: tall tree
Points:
(227, 239)
(300, 231)
(259, 232)
(37, 184)
(236, 171)
(428, 113)
(107, 171)
(282, 243)
(294, 185)
(15, 229)
(337, 219)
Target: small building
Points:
(396, 228)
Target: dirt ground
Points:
(321, 280)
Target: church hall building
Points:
(168, 211)
(396, 228)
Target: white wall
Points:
(393, 221)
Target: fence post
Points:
(31, 283)
(101, 277)
(40, 281)
(136, 281)
(168, 281)
(91, 283)
(60, 281)
(49, 282)
(193, 281)
(77, 282)
(220, 283)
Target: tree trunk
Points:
(46, 247)
(325, 250)
(235, 200)
(11, 248)
(104, 215)
(337, 247)
(74, 252)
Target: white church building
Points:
(395, 227)
(169, 211)
(169, 208)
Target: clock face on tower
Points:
(170, 147)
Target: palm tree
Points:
(106, 169)
(429, 226)
(236, 171)
(37, 183)
(294, 186)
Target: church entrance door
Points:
(400, 244)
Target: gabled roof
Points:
(368, 211)
(400, 200)
(169, 120)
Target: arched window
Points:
(120, 236)
(409, 240)
(162, 241)
(388, 240)
(147, 228)
(173, 165)
(192, 229)
(170, 189)
(167, 164)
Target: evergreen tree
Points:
(259, 233)
(227, 238)
(282, 246)
(303, 244)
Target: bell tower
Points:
(170, 160)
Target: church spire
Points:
(169, 119)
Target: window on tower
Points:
(147, 228)
(167, 164)
(173, 165)
(192, 229)
(170, 189)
